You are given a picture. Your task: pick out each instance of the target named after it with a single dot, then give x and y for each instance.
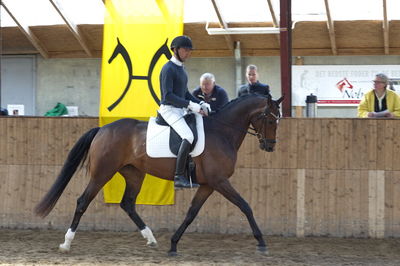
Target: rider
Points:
(175, 98)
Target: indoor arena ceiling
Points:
(73, 28)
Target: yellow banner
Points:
(137, 34)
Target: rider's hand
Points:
(205, 107)
(371, 114)
(195, 107)
(203, 113)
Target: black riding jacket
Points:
(253, 88)
(173, 84)
(217, 99)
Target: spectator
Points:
(3, 111)
(253, 85)
(380, 102)
(211, 93)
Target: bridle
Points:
(264, 117)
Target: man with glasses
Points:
(380, 102)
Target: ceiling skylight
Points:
(42, 12)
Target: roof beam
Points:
(28, 33)
(223, 24)
(331, 28)
(385, 29)
(275, 22)
(72, 27)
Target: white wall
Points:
(77, 81)
(18, 82)
(69, 81)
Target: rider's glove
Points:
(205, 107)
(195, 107)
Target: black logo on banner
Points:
(120, 49)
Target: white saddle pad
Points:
(157, 139)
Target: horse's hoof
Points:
(262, 250)
(152, 244)
(63, 249)
(172, 253)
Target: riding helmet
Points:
(182, 42)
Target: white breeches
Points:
(174, 117)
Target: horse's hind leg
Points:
(134, 180)
(226, 189)
(82, 203)
(201, 196)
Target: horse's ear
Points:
(280, 99)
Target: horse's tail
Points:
(76, 156)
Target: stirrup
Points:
(181, 182)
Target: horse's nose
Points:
(267, 146)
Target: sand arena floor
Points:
(34, 247)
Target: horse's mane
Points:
(237, 100)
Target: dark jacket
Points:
(3, 111)
(217, 99)
(253, 88)
(173, 84)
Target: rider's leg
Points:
(174, 117)
(187, 139)
(180, 179)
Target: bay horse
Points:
(119, 147)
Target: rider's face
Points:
(184, 53)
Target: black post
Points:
(286, 55)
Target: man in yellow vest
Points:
(380, 102)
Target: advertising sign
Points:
(339, 85)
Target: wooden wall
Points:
(327, 177)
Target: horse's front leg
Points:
(225, 188)
(200, 197)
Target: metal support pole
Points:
(238, 66)
(286, 55)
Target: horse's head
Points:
(265, 123)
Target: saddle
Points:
(159, 137)
(174, 138)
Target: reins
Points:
(263, 116)
(233, 127)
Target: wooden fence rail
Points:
(327, 177)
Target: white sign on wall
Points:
(16, 109)
(338, 85)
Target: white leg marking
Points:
(148, 234)
(69, 236)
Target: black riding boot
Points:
(180, 180)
